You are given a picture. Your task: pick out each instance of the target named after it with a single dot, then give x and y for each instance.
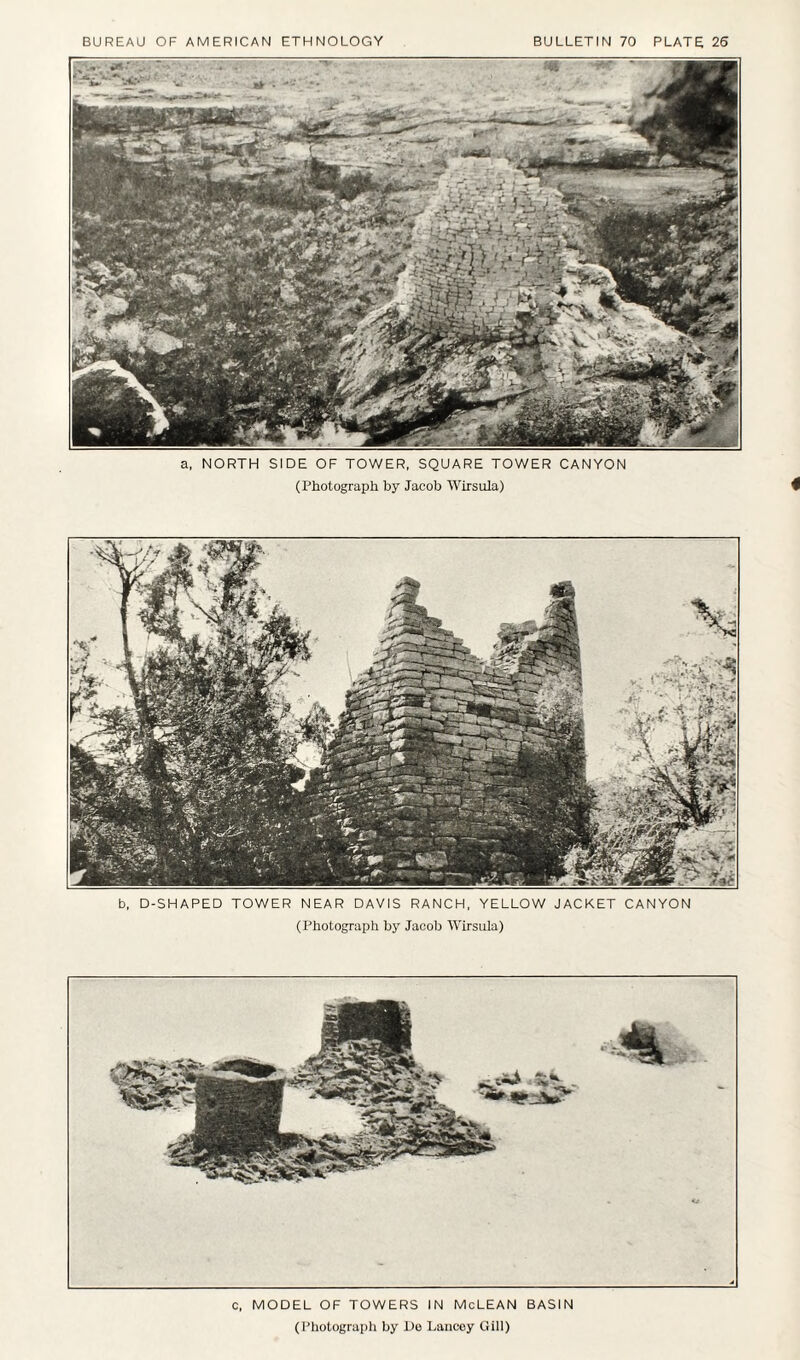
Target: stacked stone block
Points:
(487, 254)
(429, 767)
(347, 1018)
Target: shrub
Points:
(248, 353)
(357, 182)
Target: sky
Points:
(632, 601)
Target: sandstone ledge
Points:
(394, 379)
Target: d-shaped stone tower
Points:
(448, 769)
(487, 254)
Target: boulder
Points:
(393, 377)
(685, 107)
(188, 285)
(111, 407)
(542, 1089)
(160, 342)
(594, 334)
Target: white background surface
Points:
(50, 933)
(629, 1180)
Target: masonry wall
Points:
(238, 1104)
(347, 1018)
(487, 254)
(431, 773)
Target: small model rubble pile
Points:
(543, 1089)
(658, 1043)
(152, 1084)
(395, 1097)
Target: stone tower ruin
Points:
(347, 1018)
(448, 769)
(487, 254)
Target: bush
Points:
(566, 420)
(249, 353)
(705, 856)
(675, 261)
(357, 182)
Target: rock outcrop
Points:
(111, 407)
(491, 307)
(391, 119)
(393, 378)
(542, 1089)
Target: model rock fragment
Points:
(660, 1043)
(542, 1089)
(155, 1084)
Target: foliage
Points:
(285, 268)
(720, 619)
(317, 727)
(565, 420)
(681, 726)
(110, 840)
(200, 758)
(706, 855)
(682, 263)
(631, 837)
(557, 804)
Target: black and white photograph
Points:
(548, 1132)
(456, 252)
(392, 711)
(401, 816)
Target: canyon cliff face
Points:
(397, 125)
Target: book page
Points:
(402, 736)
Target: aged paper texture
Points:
(402, 751)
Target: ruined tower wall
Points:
(487, 254)
(427, 771)
(347, 1018)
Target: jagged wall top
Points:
(487, 254)
(519, 646)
